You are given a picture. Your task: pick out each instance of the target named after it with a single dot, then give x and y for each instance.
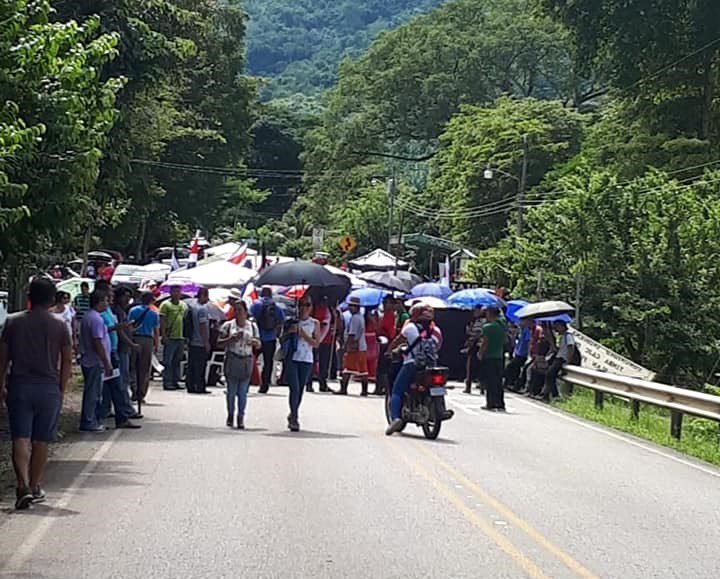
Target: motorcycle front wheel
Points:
(431, 429)
(388, 413)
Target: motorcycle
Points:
(424, 402)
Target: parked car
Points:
(124, 275)
(72, 286)
(157, 272)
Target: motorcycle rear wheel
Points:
(431, 429)
(388, 413)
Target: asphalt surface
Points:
(529, 493)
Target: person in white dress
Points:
(64, 312)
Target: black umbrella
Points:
(386, 280)
(320, 280)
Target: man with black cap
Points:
(492, 355)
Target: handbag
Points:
(237, 368)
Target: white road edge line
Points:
(23, 553)
(617, 436)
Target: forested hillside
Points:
(299, 43)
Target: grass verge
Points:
(700, 437)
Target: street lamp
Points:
(489, 175)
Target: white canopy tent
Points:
(216, 274)
(378, 260)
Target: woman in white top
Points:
(64, 312)
(239, 337)
(300, 363)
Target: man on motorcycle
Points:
(420, 327)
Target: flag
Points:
(240, 255)
(174, 263)
(445, 278)
(194, 251)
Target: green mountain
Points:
(299, 43)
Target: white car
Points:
(123, 274)
(156, 272)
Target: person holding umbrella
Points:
(299, 365)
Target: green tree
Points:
(664, 52)
(58, 111)
(646, 253)
(473, 210)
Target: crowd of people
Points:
(113, 334)
(536, 356)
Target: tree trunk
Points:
(17, 286)
(708, 97)
(141, 241)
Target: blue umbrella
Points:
(512, 310)
(369, 297)
(430, 290)
(473, 298)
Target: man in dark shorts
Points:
(37, 350)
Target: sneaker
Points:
(229, 421)
(38, 495)
(24, 498)
(395, 426)
(293, 424)
(136, 416)
(129, 425)
(240, 423)
(309, 389)
(97, 428)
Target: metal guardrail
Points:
(678, 400)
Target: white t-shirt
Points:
(411, 333)
(242, 347)
(67, 318)
(304, 351)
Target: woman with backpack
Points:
(420, 341)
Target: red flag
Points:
(239, 257)
(194, 250)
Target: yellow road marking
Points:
(499, 539)
(510, 516)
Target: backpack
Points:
(268, 318)
(188, 324)
(424, 350)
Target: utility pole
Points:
(578, 299)
(522, 185)
(391, 189)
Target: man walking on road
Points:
(146, 322)
(269, 319)
(355, 360)
(199, 349)
(36, 349)
(172, 314)
(491, 354)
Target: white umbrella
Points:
(545, 310)
(355, 281)
(435, 303)
(216, 274)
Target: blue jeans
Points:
(237, 390)
(115, 393)
(92, 393)
(403, 380)
(297, 374)
(172, 356)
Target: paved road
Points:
(530, 493)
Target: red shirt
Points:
(388, 325)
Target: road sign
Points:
(347, 244)
(318, 238)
